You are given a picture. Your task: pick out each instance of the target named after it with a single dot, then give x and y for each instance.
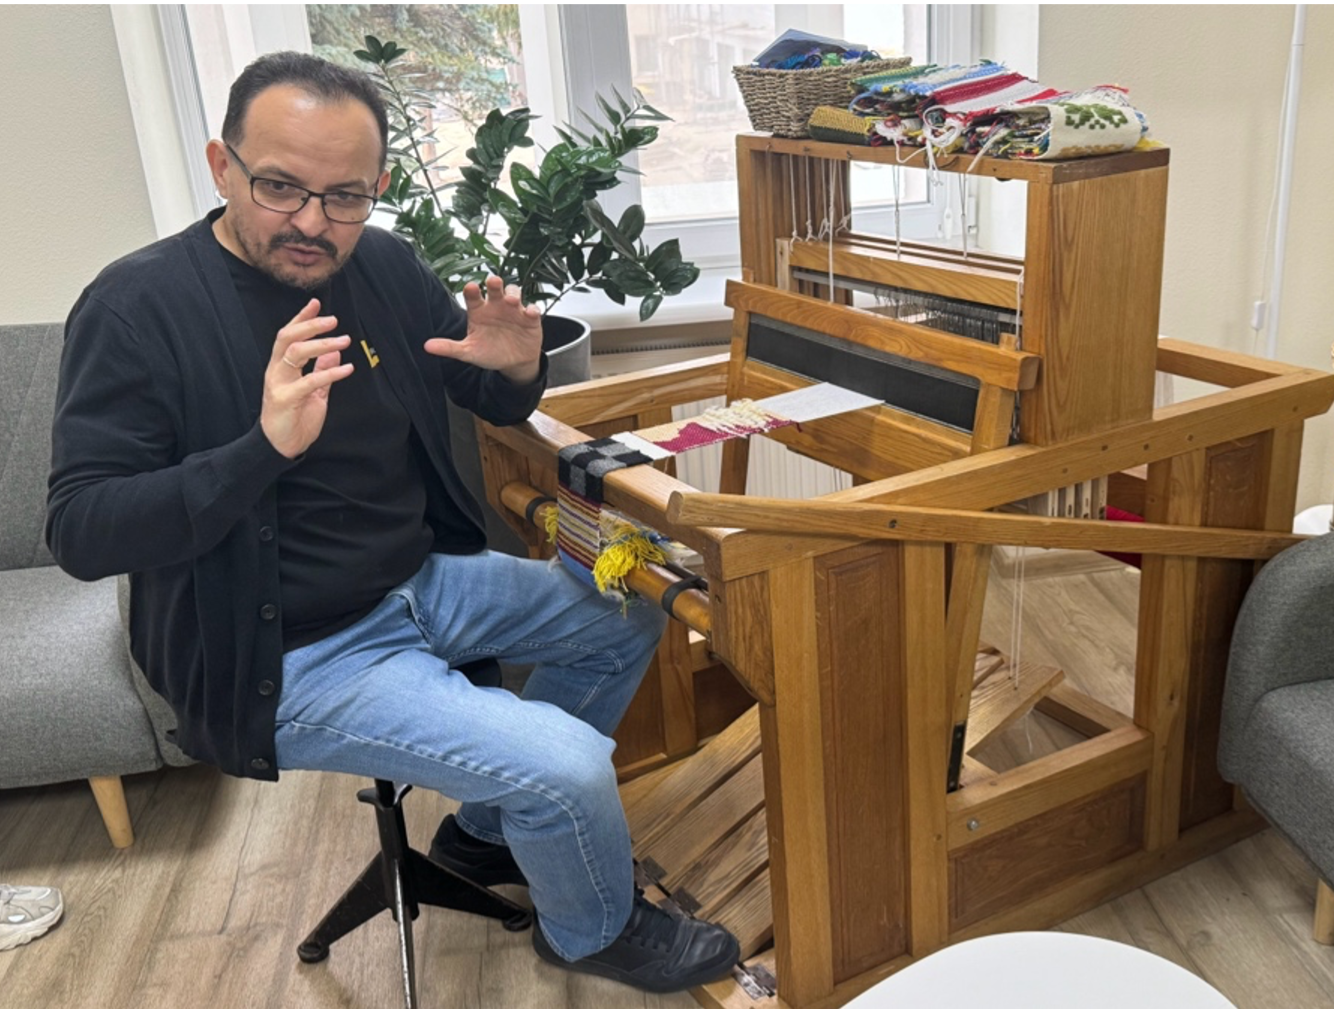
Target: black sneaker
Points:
(480, 861)
(656, 952)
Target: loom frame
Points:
(851, 634)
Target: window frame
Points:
(596, 57)
(572, 51)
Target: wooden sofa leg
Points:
(110, 796)
(1324, 913)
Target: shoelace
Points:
(650, 926)
(7, 893)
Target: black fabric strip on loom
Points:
(534, 505)
(908, 385)
(673, 590)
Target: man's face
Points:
(294, 137)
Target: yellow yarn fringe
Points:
(552, 522)
(627, 549)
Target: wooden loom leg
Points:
(1187, 611)
(792, 734)
(854, 762)
(925, 730)
(969, 575)
(1249, 484)
(1175, 494)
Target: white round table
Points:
(1041, 970)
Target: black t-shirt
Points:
(351, 513)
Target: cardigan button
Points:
(259, 764)
(268, 611)
(265, 533)
(266, 688)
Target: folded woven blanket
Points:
(839, 126)
(1099, 120)
(989, 108)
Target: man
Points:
(251, 421)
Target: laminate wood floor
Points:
(226, 877)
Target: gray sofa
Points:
(1277, 738)
(74, 705)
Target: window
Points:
(558, 58)
(474, 53)
(681, 57)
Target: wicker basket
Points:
(781, 101)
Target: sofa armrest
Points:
(1284, 636)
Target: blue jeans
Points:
(384, 698)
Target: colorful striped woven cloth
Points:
(602, 546)
(989, 108)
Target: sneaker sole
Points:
(33, 930)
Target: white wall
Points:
(1211, 80)
(74, 195)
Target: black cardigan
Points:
(160, 468)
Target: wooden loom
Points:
(823, 812)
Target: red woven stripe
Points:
(694, 435)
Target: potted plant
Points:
(548, 235)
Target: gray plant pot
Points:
(569, 348)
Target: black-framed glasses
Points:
(288, 198)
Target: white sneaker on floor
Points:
(27, 912)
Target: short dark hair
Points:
(318, 77)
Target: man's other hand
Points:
(296, 402)
(503, 335)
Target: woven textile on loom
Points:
(602, 546)
(984, 108)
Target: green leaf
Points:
(630, 277)
(598, 258)
(648, 306)
(574, 262)
(609, 112)
(609, 229)
(665, 257)
(632, 222)
(526, 184)
(680, 278)
(566, 192)
(502, 203)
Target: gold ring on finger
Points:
(291, 364)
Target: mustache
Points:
(303, 241)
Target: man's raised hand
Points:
(503, 335)
(296, 403)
